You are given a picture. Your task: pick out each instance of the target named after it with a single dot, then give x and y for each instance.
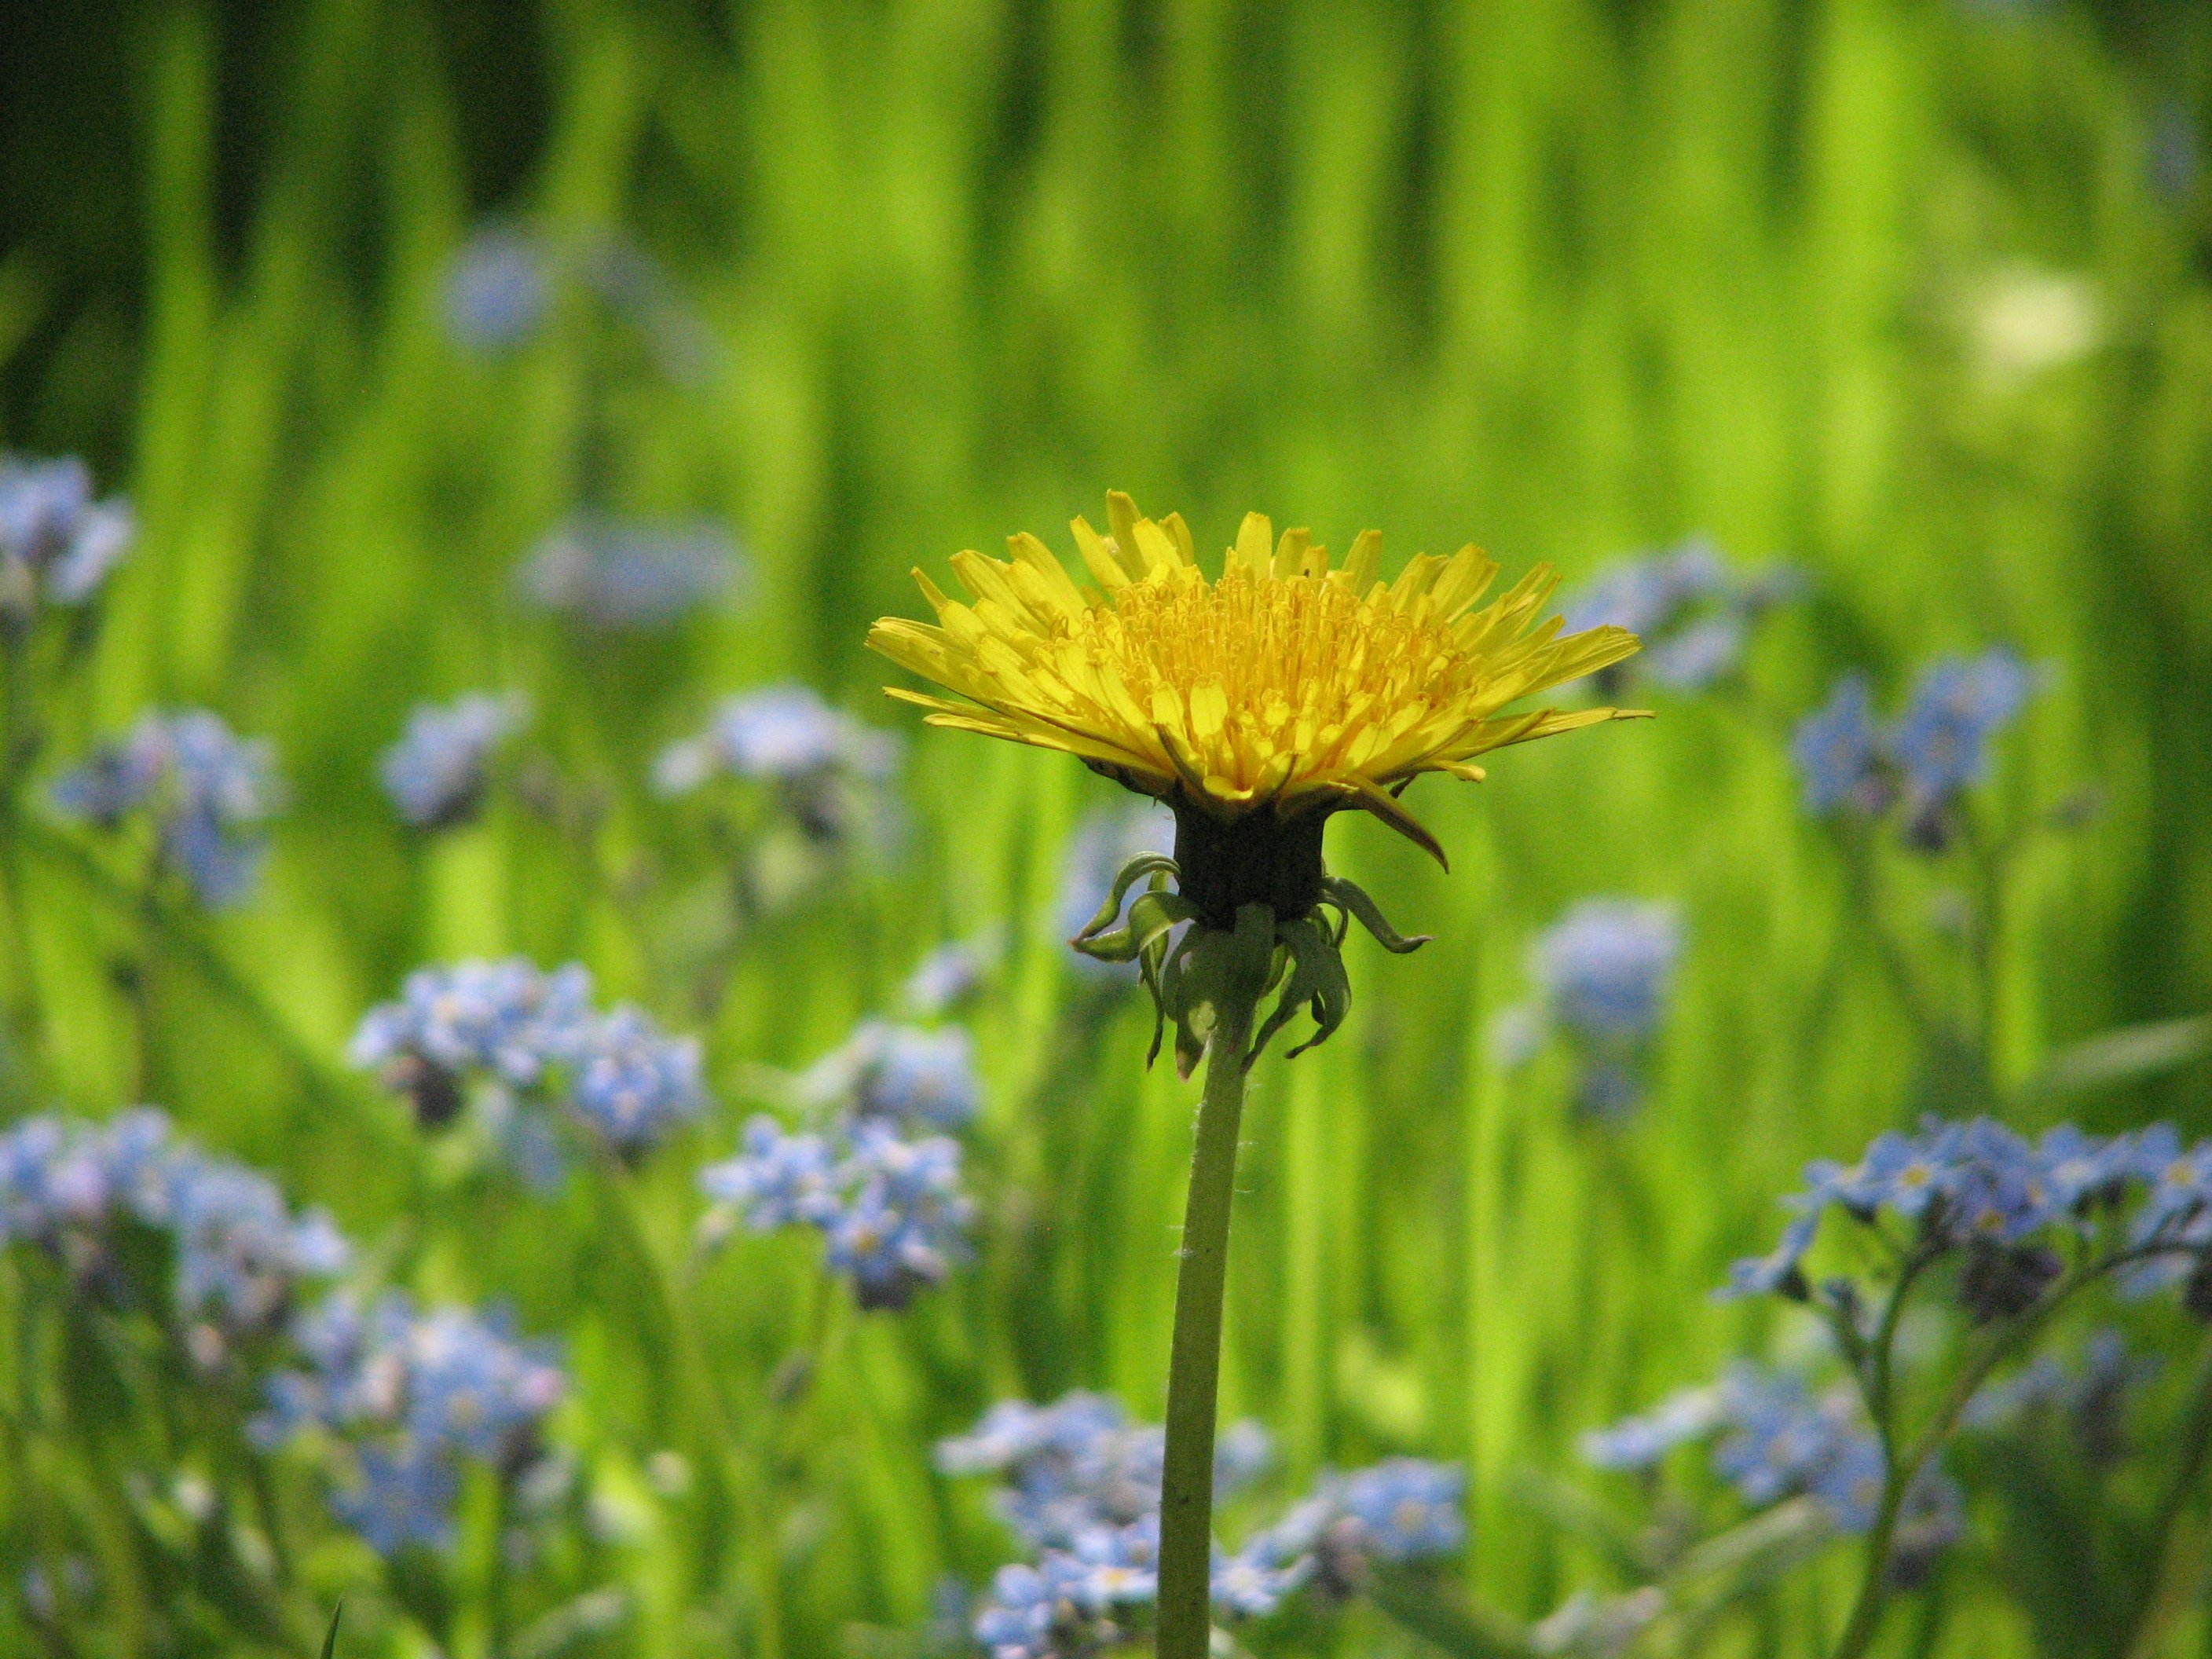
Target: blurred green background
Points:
(1915, 296)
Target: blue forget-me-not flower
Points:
(238, 1253)
(903, 1074)
(206, 791)
(1776, 1438)
(632, 573)
(529, 1043)
(1935, 751)
(498, 289)
(437, 772)
(506, 1019)
(1080, 1488)
(1692, 612)
(952, 974)
(1980, 1187)
(826, 769)
(401, 1397)
(58, 544)
(1602, 972)
(883, 1190)
(633, 1082)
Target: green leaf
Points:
(331, 1636)
(2127, 1056)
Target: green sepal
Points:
(1350, 899)
(1208, 968)
(1191, 984)
(1318, 983)
(1160, 958)
(1189, 973)
(1152, 917)
(1157, 865)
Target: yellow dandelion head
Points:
(1284, 685)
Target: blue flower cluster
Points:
(892, 1209)
(437, 773)
(1778, 1438)
(780, 734)
(1926, 758)
(631, 1081)
(951, 973)
(616, 574)
(510, 1025)
(2091, 1396)
(502, 284)
(1980, 1187)
(507, 1018)
(57, 543)
(1080, 1488)
(825, 768)
(400, 1397)
(896, 1072)
(1602, 971)
(1691, 611)
(1067, 1468)
(69, 1187)
(1405, 1509)
(498, 289)
(886, 1194)
(206, 790)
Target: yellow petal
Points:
(1209, 710)
(1122, 517)
(1362, 561)
(1179, 533)
(1253, 538)
(1157, 547)
(1099, 558)
(1032, 555)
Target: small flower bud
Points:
(2001, 1282)
(432, 1091)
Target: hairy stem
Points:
(1194, 1367)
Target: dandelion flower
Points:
(1272, 695)
(1254, 705)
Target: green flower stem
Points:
(1943, 1036)
(1902, 1470)
(702, 1405)
(1880, 1375)
(25, 1009)
(1186, 1620)
(27, 1012)
(2189, 1452)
